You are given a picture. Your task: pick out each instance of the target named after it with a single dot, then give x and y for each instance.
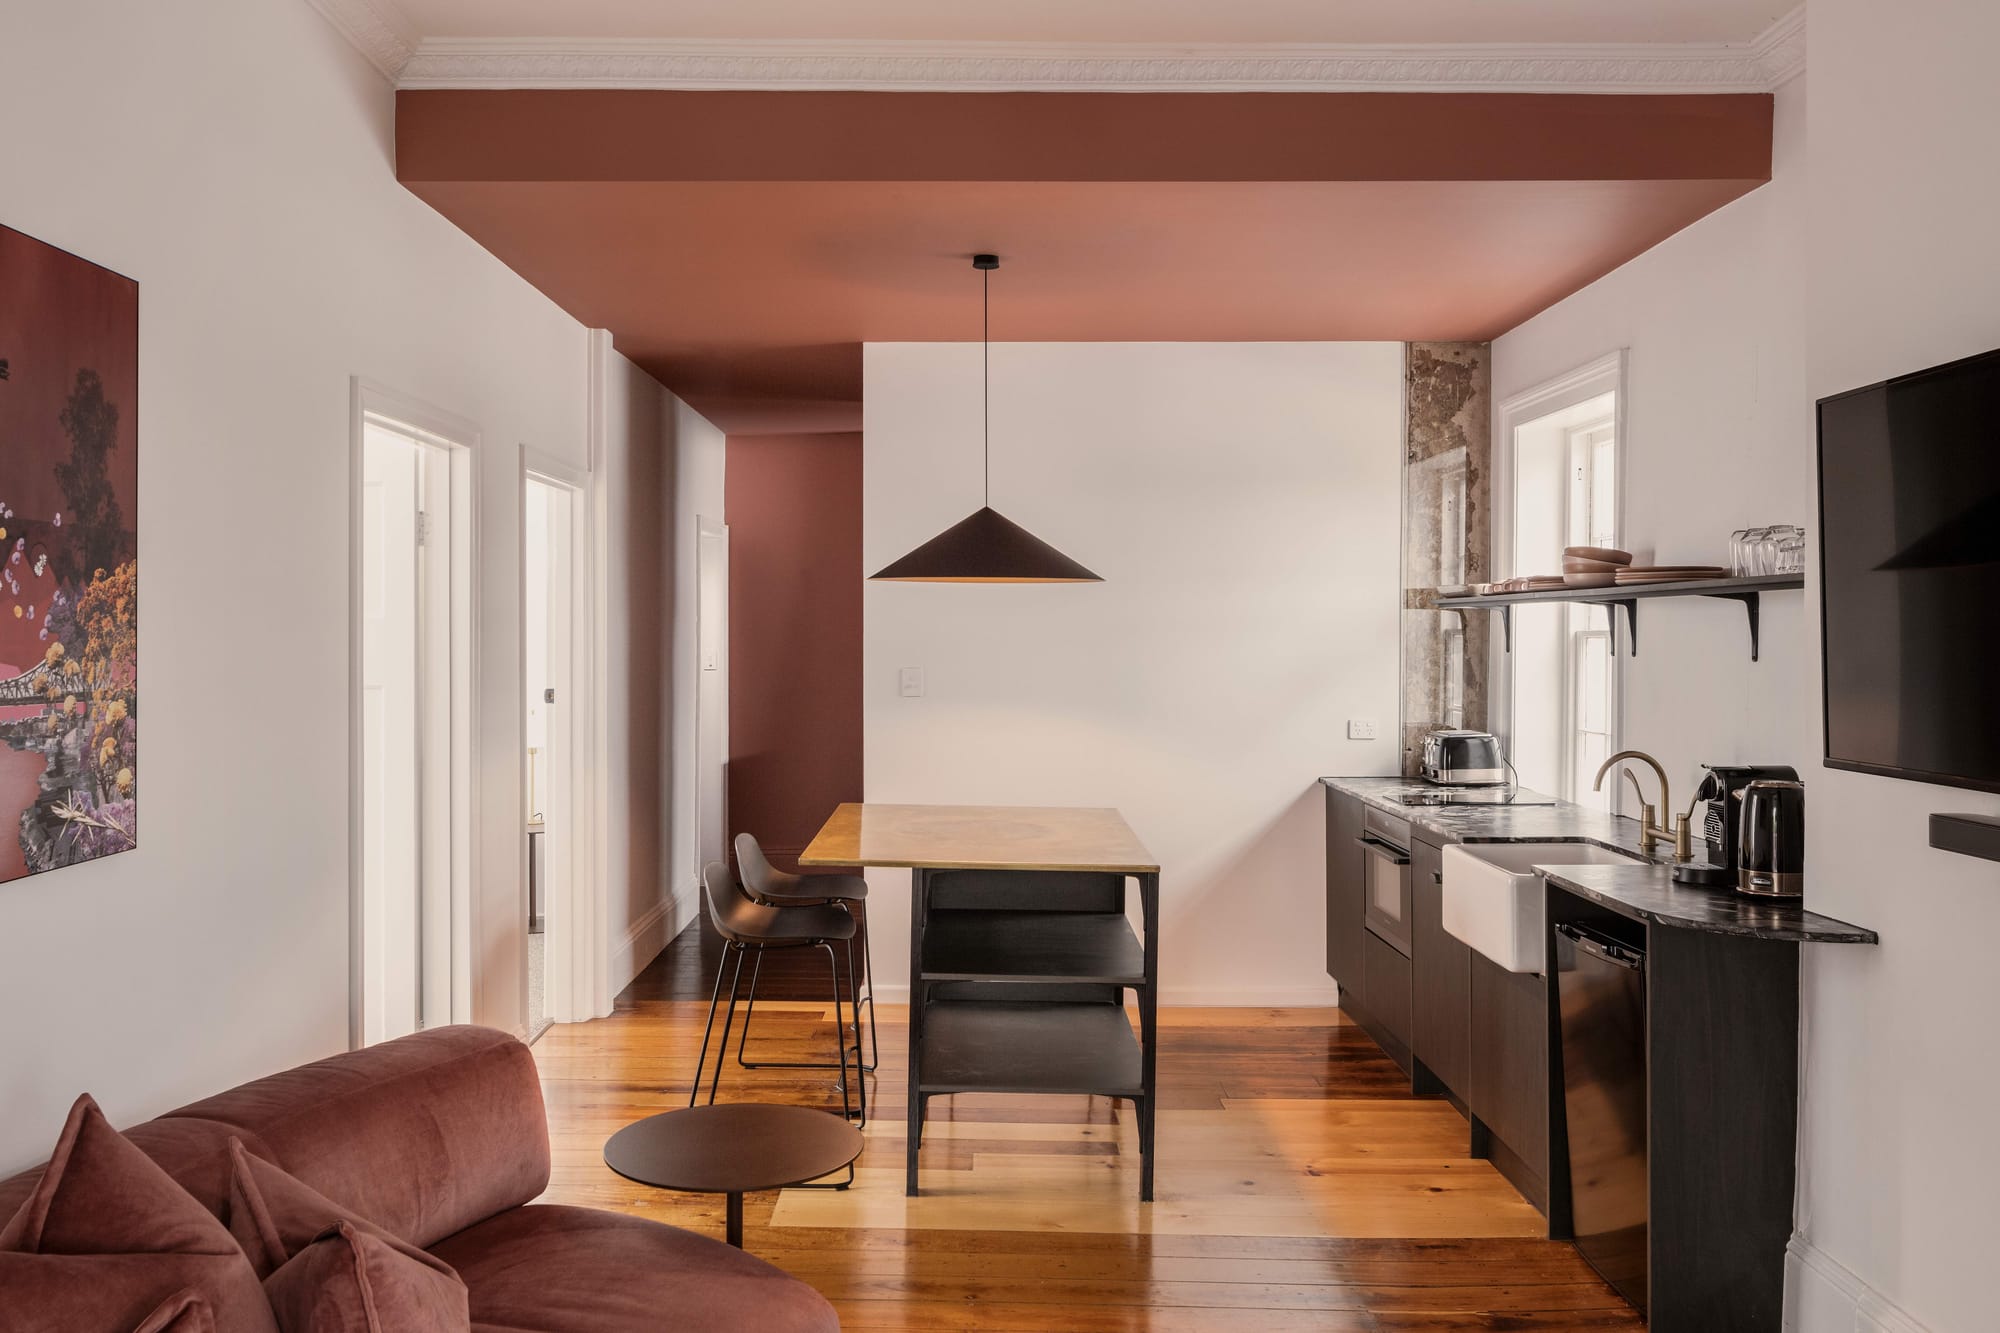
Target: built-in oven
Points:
(1385, 844)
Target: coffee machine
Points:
(1717, 817)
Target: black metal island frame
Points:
(1020, 951)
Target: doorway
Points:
(556, 725)
(711, 708)
(410, 826)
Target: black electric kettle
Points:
(1771, 853)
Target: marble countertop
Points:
(1644, 892)
(1649, 893)
(1561, 821)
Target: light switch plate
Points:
(910, 682)
(1360, 729)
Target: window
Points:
(1560, 474)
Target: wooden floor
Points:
(1299, 1186)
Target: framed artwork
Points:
(69, 559)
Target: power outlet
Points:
(1360, 729)
(910, 682)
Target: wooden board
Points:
(980, 837)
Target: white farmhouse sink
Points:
(1493, 897)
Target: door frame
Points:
(459, 438)
(706, 527)
(576, 983)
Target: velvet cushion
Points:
(324, 1268)
(355, 1281)
(183, 1312)
(549, 1266)
(106, 1238)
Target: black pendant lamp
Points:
(986, 548)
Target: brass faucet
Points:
(1650, 830)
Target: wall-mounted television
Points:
(1909, 531)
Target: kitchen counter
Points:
(1563, 821)
(1644, 893)
(1648, 893)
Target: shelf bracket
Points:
(1506, 627)
(1631, 605)
(1752, 607)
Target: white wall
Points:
(694, 493)
(1867, 256)
(1242, 503)
(1719, 436)
(1900, 1155)
(664, 467)
(234, 157)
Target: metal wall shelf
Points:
(1748, 591)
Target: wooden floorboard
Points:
(1299, 1187)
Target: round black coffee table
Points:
(731, 1149)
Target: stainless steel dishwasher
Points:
(1601, 998)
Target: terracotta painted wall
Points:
(794, 511)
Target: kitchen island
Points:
(1020, 951)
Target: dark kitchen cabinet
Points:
(1386, 980)
(1509, 1094)
(1345, 892)
(1442, 964)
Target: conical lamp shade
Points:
(986, 548)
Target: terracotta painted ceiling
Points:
(741, 246)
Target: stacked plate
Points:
(1594, 566)
(1669, 574)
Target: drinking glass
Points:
(1791, 552)
(1756, 551)
(1739, 552)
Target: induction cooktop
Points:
(1472, 796)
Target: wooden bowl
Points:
(1609, 555)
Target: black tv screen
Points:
(1909, 509)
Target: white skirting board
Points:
(648, 935)
(1823, 1295)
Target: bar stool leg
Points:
(728, 1017)
(840, 1039)
(867, 971)
(749, 1010)
(714, 995)
(743, 1039)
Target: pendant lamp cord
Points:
(986, 378)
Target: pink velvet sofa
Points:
(441, 1139)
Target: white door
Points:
(551, 819)
(391, 854)
(711, 693)
(410, 719)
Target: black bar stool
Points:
(748, 926)
(767, 884)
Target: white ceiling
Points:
(1122, 21)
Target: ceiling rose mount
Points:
(986, 547)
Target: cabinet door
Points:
(1389, 997)
(1443, 1019)
(1510, 1060)
(1345, 892)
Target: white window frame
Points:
(1605, 374)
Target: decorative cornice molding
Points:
(386, 38)
(1781, 49)
(375, 28)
